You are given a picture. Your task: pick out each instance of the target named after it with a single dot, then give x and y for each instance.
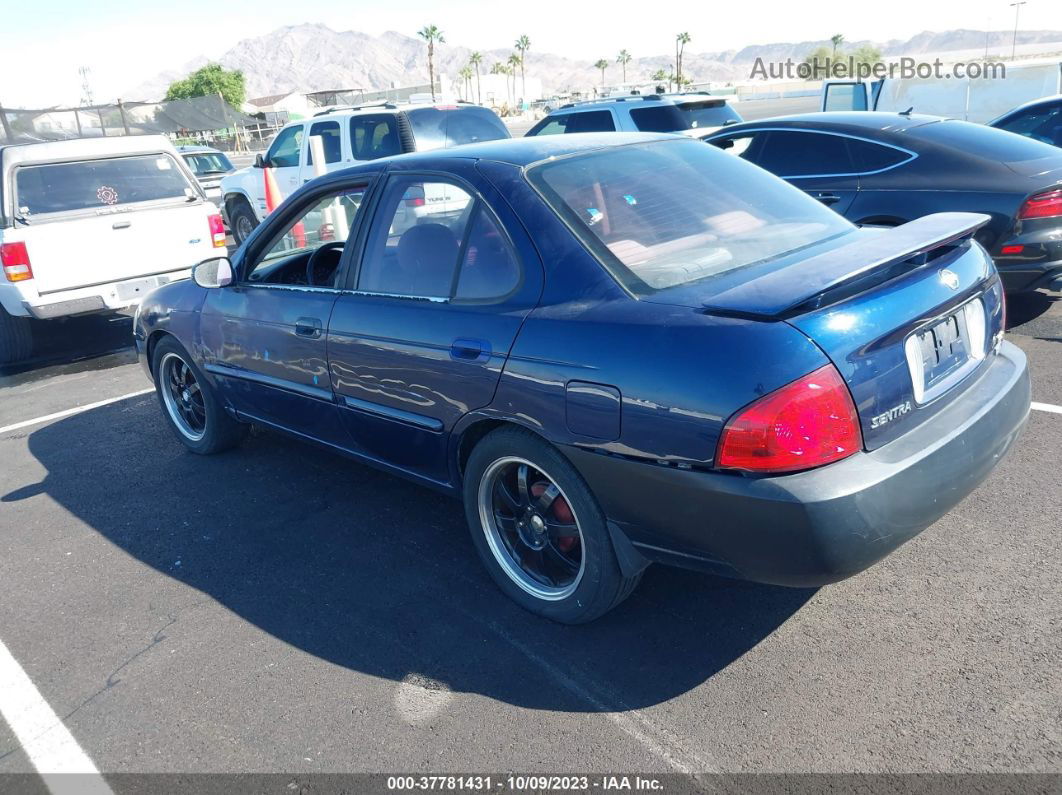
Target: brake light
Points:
(217, 230)
(1012, 249)
(16, 262)
(805, 424)
(1043, 205)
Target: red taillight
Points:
(217, 231)
(805, 424)
(16, 262)
(1012, 249)
(1042, 205)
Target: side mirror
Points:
(259, 161)
(211, 273)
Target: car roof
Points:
(525, 151)
(387, 107)
(192, 149)
(73, 148)
(854, 122)
(1030, 104)
(637, 99)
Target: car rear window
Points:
(206, 163)
(709, 113)
(374, 135)
(982, 141)
(669, 213)
(99, 184)
(440, 128)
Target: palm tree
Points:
(523, 44)
(474, 60)
(602, 64)
(501, 69)
(432, 35)
(837, 40)
(681, 40)
(514, 62)
(466, 81)
(623, 59)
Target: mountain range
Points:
(313, 57)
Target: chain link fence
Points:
(208, 119)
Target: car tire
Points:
(193, 411)
(574, 576)
(16, 338)
(242, 221)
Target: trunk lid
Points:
(906, 315)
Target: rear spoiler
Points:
(777, 292)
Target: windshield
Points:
(669, 213)
(99, 184)
(439, 128)
(203, 163)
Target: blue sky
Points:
(125, 42)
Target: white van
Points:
(92, 225)
(978, 100)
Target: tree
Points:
(474, 60)
(866, 55)
(816, 59)
(681, 40)
(501, 69)
(623, 59)
(523, 44)
(432, 35)
(515, 62)
(661, 76)
(602, 64)
(465, 73)
(210, 80)
(837, 40)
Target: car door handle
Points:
(470, 350)
(309, 327)
(828, 198)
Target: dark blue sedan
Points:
(889, 168)
(616, 349)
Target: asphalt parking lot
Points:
(282, 609)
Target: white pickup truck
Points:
(92, 225)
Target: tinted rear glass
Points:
(438, 128)
(675, 212)
(578, 122)
(375, 135)
(707, 114)
(98, 184)
(205, 163)
(986, 142)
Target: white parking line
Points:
(70, 412)
(1050, 407)
(41, 734)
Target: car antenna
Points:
(907, 112)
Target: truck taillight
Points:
(807, 423)
(16, 262)
(1043, 205)
(217, 231)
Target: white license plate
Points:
(138, 288)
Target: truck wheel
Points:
(16, 338)
(241, 221)
(539, 531)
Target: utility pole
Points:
(1014, 42)
(86, 87)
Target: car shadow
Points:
(1026, 308)
(369, 572)
(75, 344)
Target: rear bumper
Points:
(820, 526)
(23, 299)
(1038, 266)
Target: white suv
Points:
(91, 225)
(351, 136)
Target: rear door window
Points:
(284, 153)
(586, 121)
(374, 135)
(658, 118)
(439, 128)
(870, 157)
(795, 153)
(99, 184)
(329, 132)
